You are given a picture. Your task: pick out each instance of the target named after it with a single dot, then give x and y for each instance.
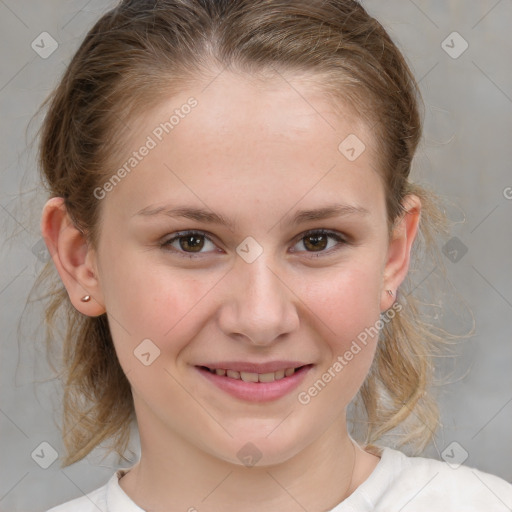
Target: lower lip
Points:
(256, 391)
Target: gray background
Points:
(465, 156)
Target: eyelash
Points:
(183, 234)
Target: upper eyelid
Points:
(180, 234)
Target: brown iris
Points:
(318, 242)
(192, 243)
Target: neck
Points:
(173, 474)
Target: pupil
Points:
(194, 242)
(319, 241)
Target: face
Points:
(253, 285)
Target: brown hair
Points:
(144, 50)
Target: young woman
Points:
(231, 219)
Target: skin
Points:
(278, 151)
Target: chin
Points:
(250, 448)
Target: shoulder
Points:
(95, 501)
(109, 498)
(419, 484)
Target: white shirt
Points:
(397, 484)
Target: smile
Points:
(244, 382)
(254, 377)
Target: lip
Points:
(244, 366)
(256, 391)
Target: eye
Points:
(317, 241)
(188, 243)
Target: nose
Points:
(258, 305)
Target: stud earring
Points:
(390, 292)
(86, 298)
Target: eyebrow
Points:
(203, 215)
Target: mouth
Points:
(255, 383)
(254, 376)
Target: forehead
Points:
(254, 136)
(279, 109)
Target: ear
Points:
(72, 256)
(399, 250)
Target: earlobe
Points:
(73, 258)
(399, 250)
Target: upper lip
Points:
(241, 366)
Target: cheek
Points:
(160, 304)
(346, 304)
(348, 310)
(346, 300)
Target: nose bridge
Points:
(260, 306)
(260, 281)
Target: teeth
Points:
(254, 377)
(267, 377)
(279, 375)
(249, 377)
